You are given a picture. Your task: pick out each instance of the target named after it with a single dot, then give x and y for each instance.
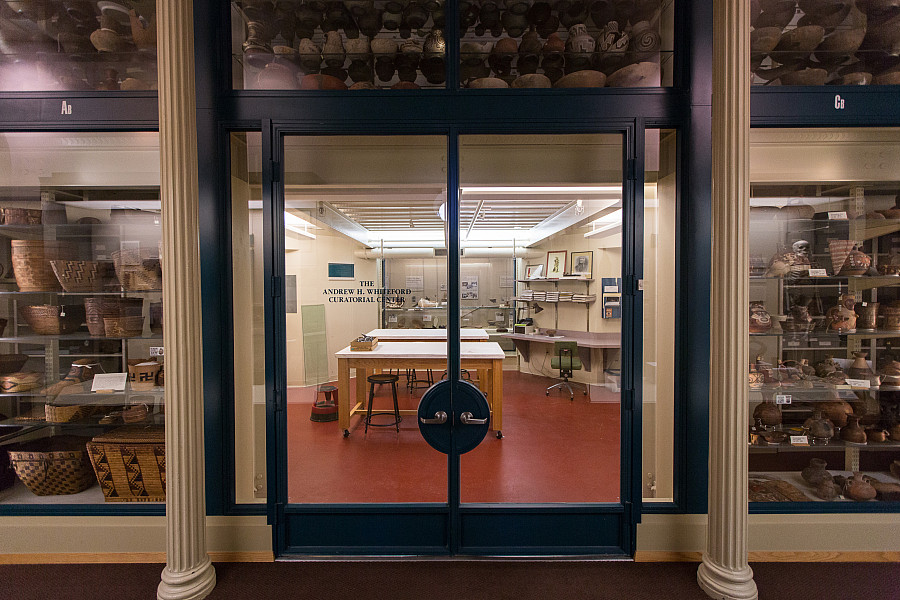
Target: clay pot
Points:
(405, 85)
(836, 411)
(853, 432)
(763, 40)
(143, 31)
(883, 33)
(859, 368)
(826, 367)
(778, 17)
(321, 82)
(310, 55)
(107, 40)
(488, 83)
(888, 492)
(799, 319)
(515, 25)
(842, 318)
(828, 15)
(756, 378)
(857, 488)
(820, 429)
(891, 315)
(534, 80)
(857, 263)
(892, 78)
(816, 472)
(876, 435)
(333, 52)
(805, 77)
(581, 79)
(826, 490)
(890, 373)
(643, 74)
(760, 319)
(867, 315)
(768, 413)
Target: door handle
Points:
(467, 419)
(440, 417)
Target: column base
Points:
(188, 585)
(724, 584)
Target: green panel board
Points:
(315, 344)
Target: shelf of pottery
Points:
(825, 350)
(48, 45)
(81, 330)
(401, 44)
(818, 42)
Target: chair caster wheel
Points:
(499, 435)
(346, 433)
(548, 392)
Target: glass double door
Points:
(449, 338)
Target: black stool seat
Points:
(327, 388)
(374, 380)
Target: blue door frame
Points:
(453, 529)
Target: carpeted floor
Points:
(452, 580)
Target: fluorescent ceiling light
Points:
(300, 231)
(148, 205)
(292, 219)
(584, 189)
(605, 223)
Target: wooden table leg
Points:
(344, 394)
(361, 374)
(497, 393)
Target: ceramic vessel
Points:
(891, 316)
(894, 432)
(890, 373)
(859, 368)
(642, 74)
(798, 318)
(760, 319)
(867, 313)
(580, 79)
(837, 411)
(826, 490)
(842, 318)
(534, 80)
(143, 31)
(857, 488)
(768, 413)
(876, 435)
(816, 472)
(333, 51)
(853, 432)
(821, 430)
(857, 263)
(826, 367)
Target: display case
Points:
(77, 45)
(81, 313)
(824, 321)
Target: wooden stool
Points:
(378, 379)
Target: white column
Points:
(724, 572)
(188, 574)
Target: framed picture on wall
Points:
(582, 264)
(533, 271)
(556, 263)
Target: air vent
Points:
(440, 252)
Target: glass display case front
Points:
(824, 316)
(50, 45)
(82, 396)
(819, 42)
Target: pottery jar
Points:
(842, 317)
(144, 36)
(579, 47)
(768, 413)
(859, 368)
(333, 52)
(857, 488)
(816, 472)
(857, 263)
(760, 319)
(756, 378)
(876, 435)
(867, 315)
(853, 432)
(798, 318)
(826, 490)
(836, 411)
(820, 428)
(891, 316)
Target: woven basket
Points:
(137, 413)
(31, 263)
(138, 270)
(10, 363)
(21, 216)
(99, 307)
(123, 327)
(68, 413)
(46, 319)
(53, 466)
(156, 317)
(143, 375)
(16, 383)
(83, 275)
(130, 463)
(2, 326)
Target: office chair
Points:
(565, 358)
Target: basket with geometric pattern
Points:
(84, 275)
(130, 463)
(53, 466)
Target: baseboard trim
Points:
(61, 558)
(648, 556)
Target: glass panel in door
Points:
(540, 278)
(366, 285)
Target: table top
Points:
(588, 340)
(480, 350)
(426, 334)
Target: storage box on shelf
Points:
(825, 342)
(82, 299)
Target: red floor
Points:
(553, 450)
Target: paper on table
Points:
(109, 382)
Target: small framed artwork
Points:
(534, 271)
(582, 264)
(556, 263)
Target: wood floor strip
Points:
(61, 558)
(649, 556)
